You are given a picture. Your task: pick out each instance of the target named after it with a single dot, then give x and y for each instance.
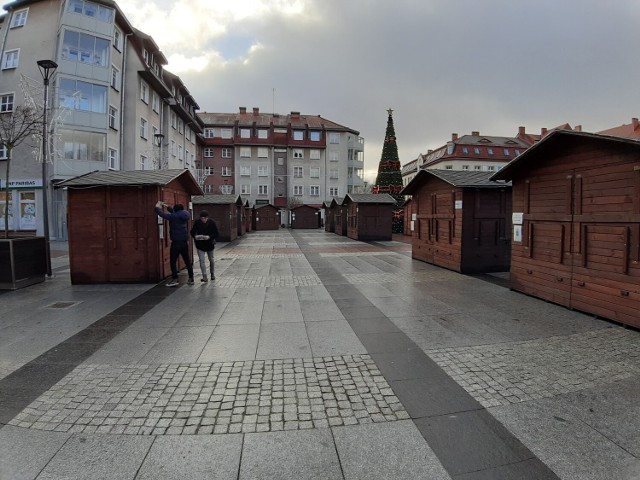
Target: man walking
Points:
(179, 233)
(205, 232)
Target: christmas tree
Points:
(389, 179)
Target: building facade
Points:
(112, 104)
(282, 160)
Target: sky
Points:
(443, 66)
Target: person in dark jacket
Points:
(205, 232)
(179, 233)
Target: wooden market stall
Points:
(329, 219)
(369, 216)
(408, 211)
(576, 223)
(115, 235)
(266, 217)
(248, 217)
(240, 212)
(463, 220)
(223, 210)
(305, 216)
(339, 216)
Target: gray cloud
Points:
(444, 66)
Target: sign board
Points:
(458, 204)
(517, 233)
(22, 183)
(413, 222)
(414, 217)
(517, 218)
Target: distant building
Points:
(282, 160)
(627, 130)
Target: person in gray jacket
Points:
(179, 233)
(205, 232)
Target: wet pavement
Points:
(312, 356)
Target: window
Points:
(144, 162)
(117, 39)
(245, 170)
(84, 48)
(174, 120)
(209, 189)
(448, 167)
(263, 189)
(180, 126)
(314, 154)
(84, 96)
(517, 152)
(334, 138)
(6, 102)
(113, 117)
(3, 152)
(180, 153)
(226, 133)
(506, 152)
(298, 153)
(477, 167)
(245, 189)
(491, 168)
(298, 134)
(333, 191)
(490, 151)
(90, 9)
(314, 135)
(333, 174)
(263, 170)
(333, 156)
(208, 152)
(115, 78)
(314, 190)
(144, 92)
(297, 172)
(208, 133)
(79, 145)
(465, 167)
(113, 159)
(155, 102)
(263, 152)
(245, 133)
(226, 189)
(476, 150)
(173, 148)
(263, 133)
(154, 131)
(226, 171)
(145, 55)
(144, 128)
(19, 18)
(314, 172)
(226, 153)
(245, 152)
(208, 170)
(10, 59)
(297, 190)
(465, 150)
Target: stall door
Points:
(127, 249)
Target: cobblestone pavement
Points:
(213, 398)
(506, 373)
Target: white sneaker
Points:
(172, 283)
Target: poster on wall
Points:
(3, 197)
(28, 212)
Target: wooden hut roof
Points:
(456, 178)
(553, 142)
(336, 202)
(370, 198)
(133, 179)
(217, 200)
(307, 206)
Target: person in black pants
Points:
(179, 233)
(205, 233)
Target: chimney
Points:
(578, 128)
(475, 134)
(454, 137)
(543, 131)
(243, 110)
(295, 114)
(521, 131)
(634, 123)
(429, 151)
(256, 111)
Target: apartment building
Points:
(283, 160)
(112, 104)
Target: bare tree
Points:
(23, 124)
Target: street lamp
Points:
(158, 137)
(47, 67)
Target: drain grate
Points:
(62, 305)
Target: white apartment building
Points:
(282, 160)
(112, 104)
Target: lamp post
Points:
(47, 67)
(158, 137)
